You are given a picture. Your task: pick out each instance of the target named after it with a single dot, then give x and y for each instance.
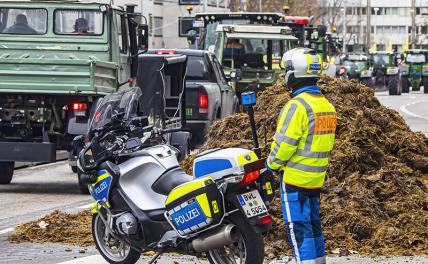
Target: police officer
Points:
(300, 153)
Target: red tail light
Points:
(166, 52)
(79, 106)
(250, 177)
(203, 103)
(266, 219)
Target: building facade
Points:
(379, 24)
(163, 18)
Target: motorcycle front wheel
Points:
(249, 249)
(113, 250)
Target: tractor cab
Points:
(200, 29)
(252, 51)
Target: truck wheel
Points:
(404, 83)
(426, 85)
(6, 171)
(393, 87)
(83, 187)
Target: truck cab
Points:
(57, 58)
(252, 52)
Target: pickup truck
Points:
(57, 58)
(209, 95)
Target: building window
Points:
(158, 2)
(158, 26)
(363, 11)
(394, 11)
(424, 30)
(418, 10)
(349, 10)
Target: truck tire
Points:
(6, 171)
(404, 83)
(393, 86)
(83, 186)
(425, 85)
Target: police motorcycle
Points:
(145, 202)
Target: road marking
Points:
(94, 259)
(86, 206)
(404, 109)
(7, 230)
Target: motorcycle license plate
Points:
(252, 203)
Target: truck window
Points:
(121, 32)
(23, 21)
(78, 22)
(196, 69)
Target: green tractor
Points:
(356, 67)
(414, 71)
(381, 63)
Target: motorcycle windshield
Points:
(123, 104)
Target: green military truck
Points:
(253, 53)
(57, 58)
(414, 71)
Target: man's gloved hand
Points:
(268, 168)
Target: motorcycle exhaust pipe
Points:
(215, 239)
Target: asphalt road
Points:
(36, 191)
(412, 106)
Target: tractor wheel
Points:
(393, 87)
(367, 82)
(404, 83)
(425, 84)
(6, 171)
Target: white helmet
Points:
(303, 63)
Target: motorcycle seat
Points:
(171, 179)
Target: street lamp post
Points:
(374, 27)
(344, 27)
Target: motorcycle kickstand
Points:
(155, 257)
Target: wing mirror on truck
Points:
(143, 37)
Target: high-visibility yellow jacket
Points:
(303, 140)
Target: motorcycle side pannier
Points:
(194, 205)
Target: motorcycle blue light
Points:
(248, 98)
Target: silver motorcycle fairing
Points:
(140, 172)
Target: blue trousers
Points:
(301, 210)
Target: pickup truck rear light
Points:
(166, 52)
(79, 106)
(203, 103)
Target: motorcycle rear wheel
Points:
(110, 249)
(249, 249)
